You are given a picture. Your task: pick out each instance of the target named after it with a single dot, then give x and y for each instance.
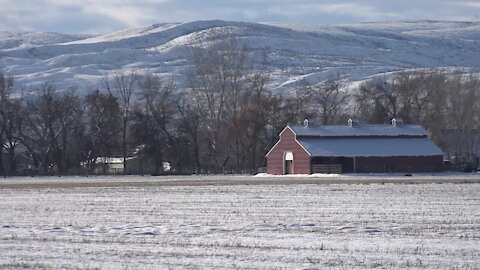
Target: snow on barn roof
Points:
(364, 147)
(360, 130)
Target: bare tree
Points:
(122, 86)
(378, 100)
(254, 119)
(216, 83)
(10, 123)
(154, 120)
(290, 109)
(190, 126)
(50, 122)
(103, 122)
(69, 116)
(463, 106)
(330, 98)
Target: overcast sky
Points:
(104, 16)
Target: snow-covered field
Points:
(345, 226)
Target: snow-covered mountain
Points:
(291, 53)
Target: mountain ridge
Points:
(291, 53)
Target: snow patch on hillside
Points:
(292, 53)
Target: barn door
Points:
(288, 163)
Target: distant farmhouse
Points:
(135, 161)
(354, 148)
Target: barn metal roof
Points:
(364, 147)
(360, 130)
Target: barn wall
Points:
(301, 160)
(399, 164)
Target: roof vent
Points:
(305, 122)
(353, 122)
(397, 122)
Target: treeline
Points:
(225, 122)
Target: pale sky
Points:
(105, 16)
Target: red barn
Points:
(354, 148)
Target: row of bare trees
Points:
(42, 126)
(225, 122)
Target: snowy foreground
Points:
(294, 226)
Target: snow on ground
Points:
(446, 175)
(428, 226)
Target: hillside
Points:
(290, 52)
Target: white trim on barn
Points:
(280, 135)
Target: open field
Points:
(233, 180)
(56, 223)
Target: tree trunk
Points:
(124, 145)
(13, 164)
(2, 169)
